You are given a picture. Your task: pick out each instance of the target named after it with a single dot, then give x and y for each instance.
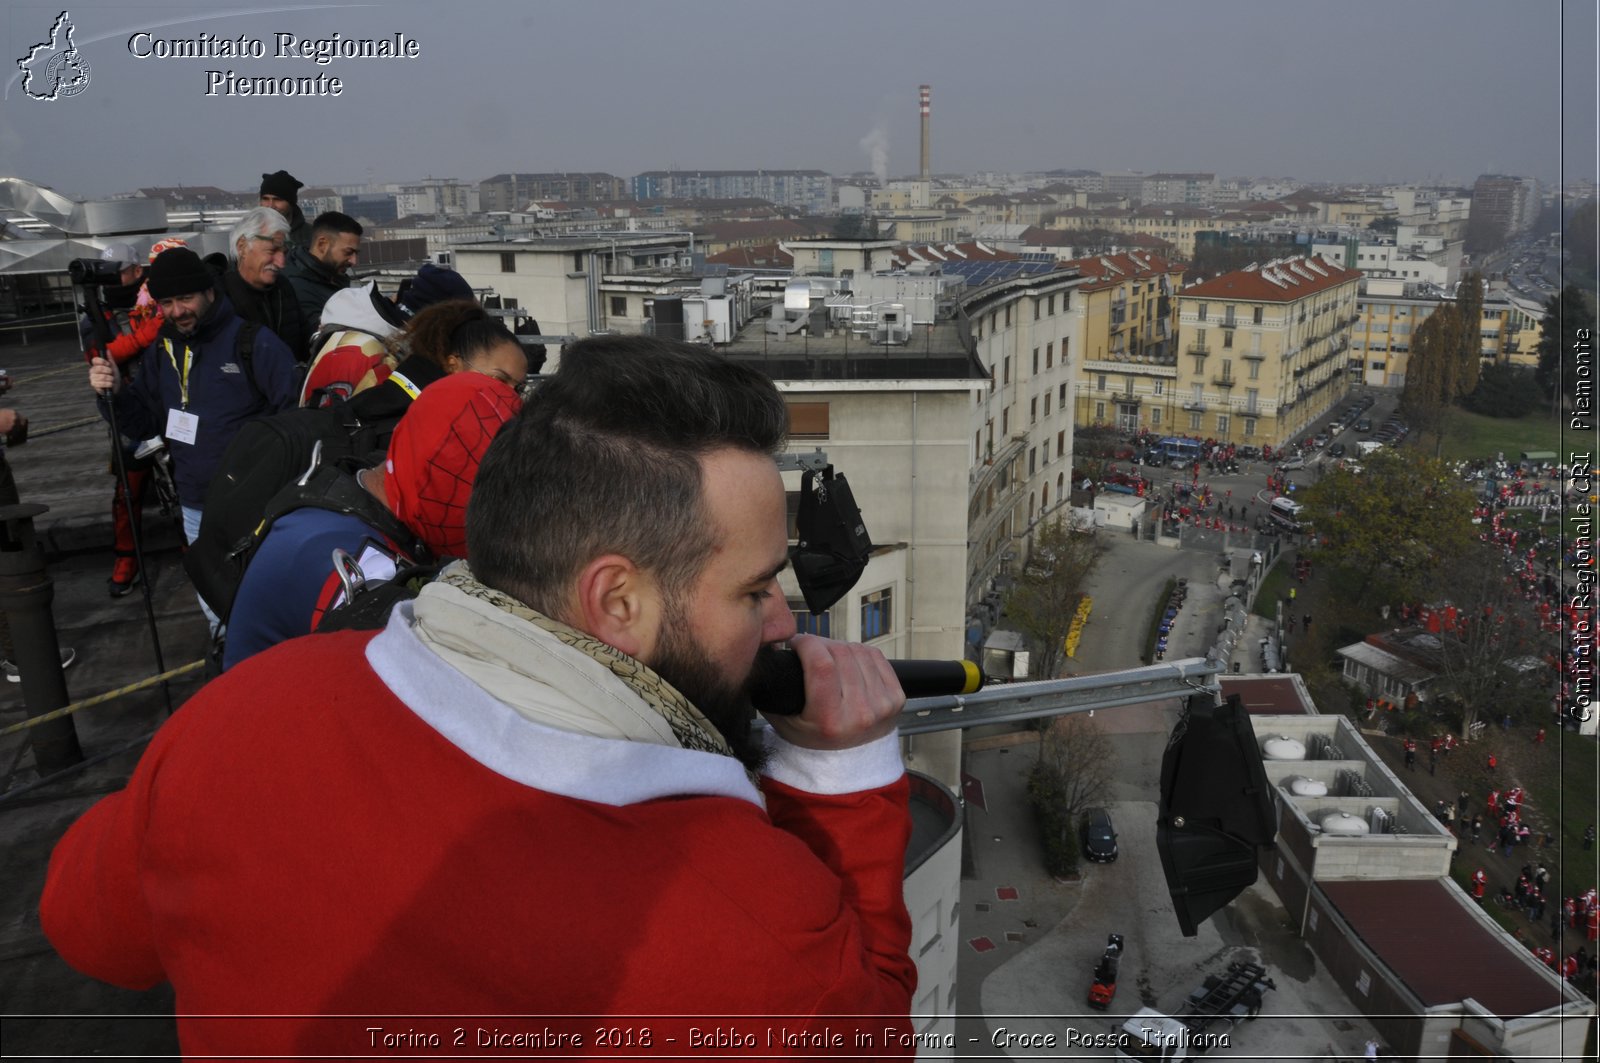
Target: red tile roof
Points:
(1103, 271)
(762, 256)
(1299, 280)
(1423, 932)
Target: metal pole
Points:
(26, 591)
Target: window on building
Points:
(619, 306)
(1222, 425)
(1099, 412)
(508, 262)
(1199, 363)
(1249, 427)
(1005, 421)
(1194, 422)
(1255, 370)
(1008, 317)
(808, 420)
(1033, 410)
(1227, 340)
(1061, 396)
(1255, 316)
(1200, 315)
(1061, 442)
(1047, 404)
(877, 614)
(577, 262)
(1052, 307)
(1100, 382)
(1158, 387)
(808, 623)
(1037, 310)
(1044, 497)
(1033, 460)
(1005, 373)
(1036, 361)
(1050, 354)
(1199, 392)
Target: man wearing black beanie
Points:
(281, 192)
(206, 374)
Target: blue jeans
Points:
(191, 531)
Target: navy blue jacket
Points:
(219, 393)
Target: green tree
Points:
(1430, 372)
(1580, 239)
(1504, 391)
(1396, 523)
(1568, 325)
(1469, 358)
(1044, 598)
(1068, 778)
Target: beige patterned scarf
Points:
(552, 673)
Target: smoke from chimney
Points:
(876, 145)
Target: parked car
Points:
(1291, 464)
(1336, 451)
(1319, 440)
(1099, 836)
(1364, 425)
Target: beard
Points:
(724, 703)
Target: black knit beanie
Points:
(177, 271)
(282, 185)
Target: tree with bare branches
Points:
(1075, 766)
(1044, 598)
(1489, 659)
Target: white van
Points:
(1367, 446)
(1285, 512)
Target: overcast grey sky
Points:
(1357, 90)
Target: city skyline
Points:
(1419, 92)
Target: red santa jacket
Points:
(319, 834)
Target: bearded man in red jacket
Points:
(537, 792)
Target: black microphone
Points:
(778, 683)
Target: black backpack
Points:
(368, 608)
(268, 456)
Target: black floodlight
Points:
(1216, 809)
(832, 542)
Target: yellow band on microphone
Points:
(974, 678)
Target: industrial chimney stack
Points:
(924, 92)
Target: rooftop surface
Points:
(1448, 956)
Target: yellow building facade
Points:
(1389, 314)
(1126, 330)
(1262, 353)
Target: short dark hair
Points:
(605, 458)
(332, 223)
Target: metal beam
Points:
(1011, 702)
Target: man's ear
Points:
(619, 604)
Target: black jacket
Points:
(314, 284)
(275, 309)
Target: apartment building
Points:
(1261, 352)
(1389, 312)
(514, 191)
(807, 190)
(1192, 189)
(1021, 331)
(1126, 332)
